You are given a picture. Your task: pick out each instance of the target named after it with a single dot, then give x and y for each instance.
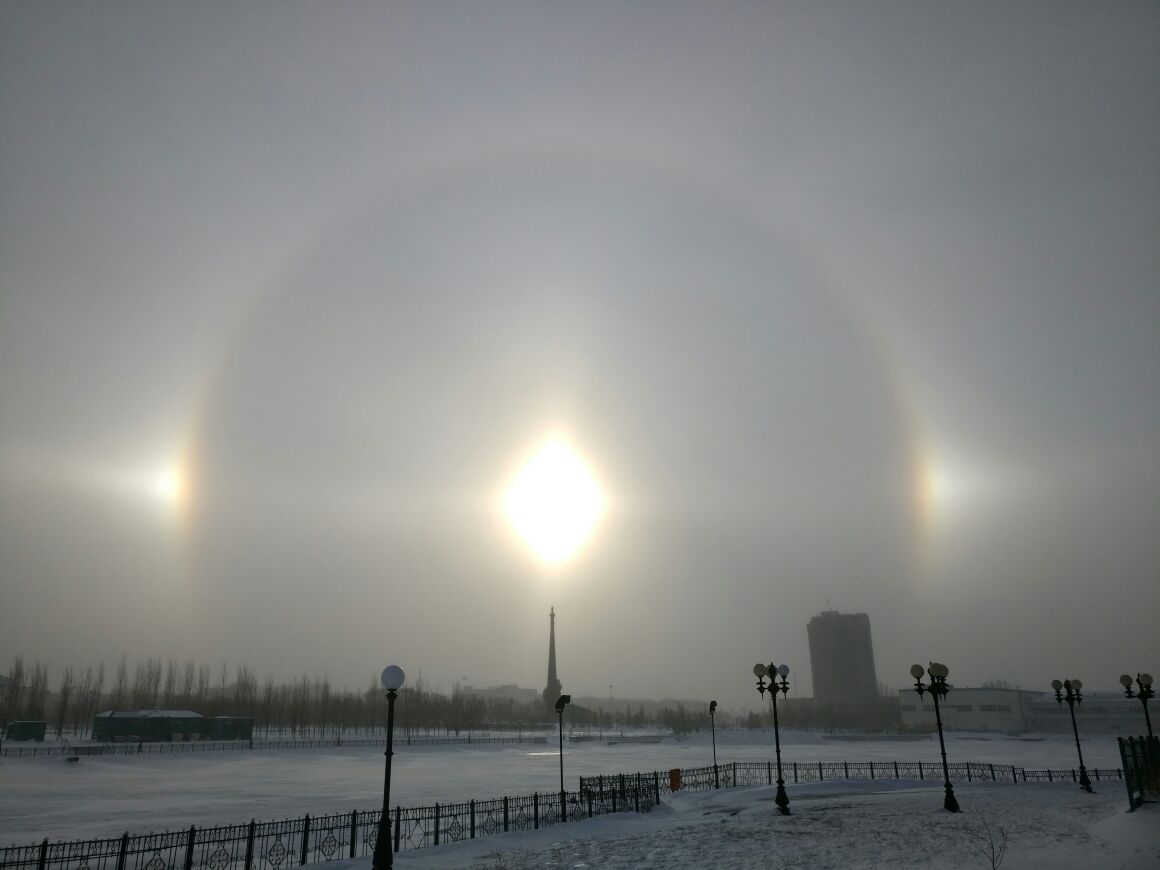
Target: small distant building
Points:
(1102, 712)
(1016, 711)
(231, 727)
(26, 730)
(151, 725)
(169, 725)
(966, 709)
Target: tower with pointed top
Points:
(552, 690)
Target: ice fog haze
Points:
(849, 308)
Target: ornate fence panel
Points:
(1141, 760)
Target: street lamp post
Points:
(562, 702)
(938, 689)
(392, 680)
(775, 685)
(713, 730)
(1071, 694)
(1144, 682)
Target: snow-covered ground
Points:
(854, 826)
(105, 796)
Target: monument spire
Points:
(552, 690)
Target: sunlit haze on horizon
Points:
(346, 335)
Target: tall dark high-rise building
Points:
(842, 657)
(552, 690)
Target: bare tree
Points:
(245, 692)
(14, 703)
(169, 692)
(185, 693)
(37, 694)
(63, 698)
(201, 693)
(990, 842)
(120, 694)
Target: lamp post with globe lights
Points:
(774, 672)
(1144, 682)
(562, 702)
(392, 680)
(713, 730)
(938, 689)
(1071, 693)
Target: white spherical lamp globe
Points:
(393, 677)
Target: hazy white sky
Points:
(849, 305)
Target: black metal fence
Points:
(179, 747)
(293, 842)
(312, 839)
(748, 773)
(1141, 759)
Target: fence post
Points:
(819, 771)
(353, 831)
(305, 837)
(1073, 776)
(505, 814)
(189, 848)
(921, 775)
(968, 771)
(473, 819)
(871, 769)
(124, 850)
(769, 772)
(795, 771)
(657, 786)
(590, 804)
(436, 824)
(536, 810)
(1049, 779)
(896, 770)
(992, 773)
(43, 859)
(398, 824)
(250, 844)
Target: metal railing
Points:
(748, 773)
(311, 839)
(274, 845)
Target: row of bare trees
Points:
(304, 705)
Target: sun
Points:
(554, 503)
(170, 487)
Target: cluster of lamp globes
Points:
(1144, 681)
(760, 671)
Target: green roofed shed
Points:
(151, 725)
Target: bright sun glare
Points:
(553, 502)
(169, 486)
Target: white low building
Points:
(1005, 710)
(1015, 711)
